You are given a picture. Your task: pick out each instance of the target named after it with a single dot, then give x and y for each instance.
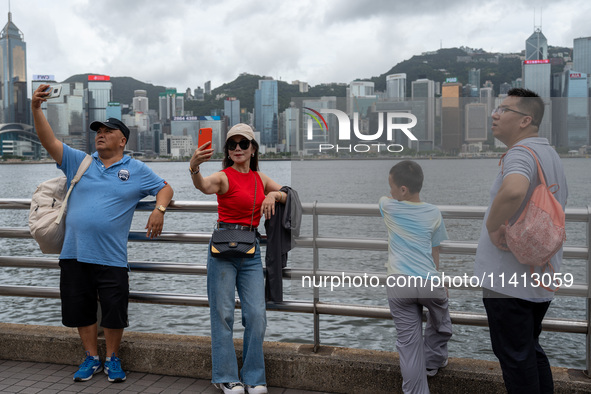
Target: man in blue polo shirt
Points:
(93, 259)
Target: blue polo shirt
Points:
(101, 207)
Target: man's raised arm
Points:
(53, 146)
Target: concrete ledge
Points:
(288, 365)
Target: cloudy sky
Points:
(183, 43)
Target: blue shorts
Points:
(83, 285)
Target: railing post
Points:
(588, 300)
(314, 273)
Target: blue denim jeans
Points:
(223, 277)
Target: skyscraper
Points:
(266, 112)
(571, 121)
(451, 117)
(170, 104)
(423, 91)
(474, 77)
(396, 87)
(476, 122)
(13, 79)
(293, 141)
(360, 97)
(140, 101)
(232, 110)
(536, 46)
(582, 55)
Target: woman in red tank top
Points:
(235, 189)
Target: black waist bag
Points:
(233, 243)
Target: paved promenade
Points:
(30, 378)
(164, 363)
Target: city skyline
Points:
(186, 44)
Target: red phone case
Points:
(205, 135)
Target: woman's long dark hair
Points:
(254, 161)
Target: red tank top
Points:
(235, 205)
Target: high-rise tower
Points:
(536, 46)
(266, 112)
(13, 78)
(582, 55)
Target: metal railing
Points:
(315, 242)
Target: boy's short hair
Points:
(408, 173)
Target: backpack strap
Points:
(540, 173)
(81, 170)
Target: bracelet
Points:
(194, 172)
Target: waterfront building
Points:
(170, 104)
(451, 117)
(100, 94)
(140, 101)
(232, 110)
(571, 124)
(18, 139)
(474, 78)
(536, 46)
(266, 111)
(476, 122)
(291, 125)
(396, 87)
(314, 133)
(176, 146)
(423, 94)
(536, 77)
(360, 98)
(14, 106)
(487, 98)
(582, 55)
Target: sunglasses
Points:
(244, 144)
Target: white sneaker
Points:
(433, 372)
(232, 388)
(260, 389)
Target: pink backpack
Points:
(539, 231)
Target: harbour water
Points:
(447, 182)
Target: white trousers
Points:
(420, 352)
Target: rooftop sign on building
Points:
(99, 78)
(43, 77)
(541, 61)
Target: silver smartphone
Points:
(54, 91)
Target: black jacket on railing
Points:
(281, 229)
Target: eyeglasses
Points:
(244, 144)
(501, 111)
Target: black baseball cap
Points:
(111, 123)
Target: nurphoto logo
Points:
(344, 130)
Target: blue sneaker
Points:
(88, 368)
(113, 370)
